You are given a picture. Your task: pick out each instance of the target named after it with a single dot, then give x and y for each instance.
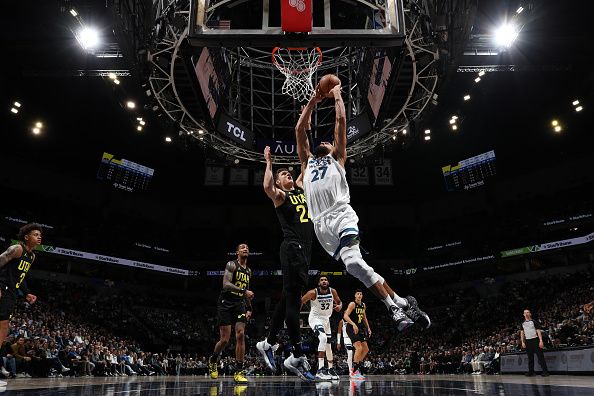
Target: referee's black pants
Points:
(532, 348)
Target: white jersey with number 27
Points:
(325, 185)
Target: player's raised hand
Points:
(317, 96)
(267, 155)
(336, 91)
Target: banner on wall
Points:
(580, 360)
(548, 246)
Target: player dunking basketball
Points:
(335, 222)
(234, 307)
(323, 300)
(295, 252)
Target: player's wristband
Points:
(338, 338)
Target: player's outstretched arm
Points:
(277, 195)
(303, 149)
(340, 138)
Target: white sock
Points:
(388, 301)
(401, 302)
(329, 364)
(350, 360)
(320, 363)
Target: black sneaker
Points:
(415, 313)
(545, 374)
(529, 374)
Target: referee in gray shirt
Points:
(532, 342)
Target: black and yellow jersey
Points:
(293, 217)
(241, 279)
(12, 274)
(359, 315)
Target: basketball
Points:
(328, 82)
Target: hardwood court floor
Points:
(446, 385)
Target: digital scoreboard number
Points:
(123, 174)
(470, 173)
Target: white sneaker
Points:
(4, 372)
(322, 375)
(65, 369)
(267, 352)
(3, 383)
(299, 366)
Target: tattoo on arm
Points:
(9, 254)
(228, 277)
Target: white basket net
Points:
(298, 65)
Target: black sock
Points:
(214, 358)
(356, 366)
(240, 366)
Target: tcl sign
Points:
(232, 129)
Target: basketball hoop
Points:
(298, 65)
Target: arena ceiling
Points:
(84, 113)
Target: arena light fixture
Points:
(481, 73)
(38, 124)
(427, 137)
(404, 131)
(14, 110)
(454, 127)
(558, 128)
(452, 120)
(116, 81)
(200, 132)
(36, 131)
(130, 104)
(394, 137)
(554, 123)
(427, 131)
(18, 104)
(88, 38)
(138, 118)
(579, 108)
(575, 102)
(476, 80)
(139, 128)
(112, 76)
(143, 123)
(519, 10)
(73, 12)
(506, 34)
(168, 139)
(466, 97)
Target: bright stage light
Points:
(73, 12)
(452, 121)
(139, 128)
(116, 81)
(200, 132)
(466, 97)
(554, 123)
(112, 76)
(168, 139)
(558, 128)
(519, 10)
(481, 73)
(506, 35)
(14, 110)
(142, 123)
(477, 79)
(88, 38)
(575, 102)
(427, 137)
(17, 104)
(236, 161)
(427, 131)
(39, 124)
(579, 108)
(130, 104)
(404, 131)
(36, 131)
(455, 127)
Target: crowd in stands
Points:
(75, 330)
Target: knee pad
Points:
(323, 341)
(356, 266)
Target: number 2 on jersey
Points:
(303, 215)
(316, 173)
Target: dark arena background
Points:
(133, 132)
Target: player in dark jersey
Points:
(234, 307)
(358, 331)
(15, 263)
(295, 252)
